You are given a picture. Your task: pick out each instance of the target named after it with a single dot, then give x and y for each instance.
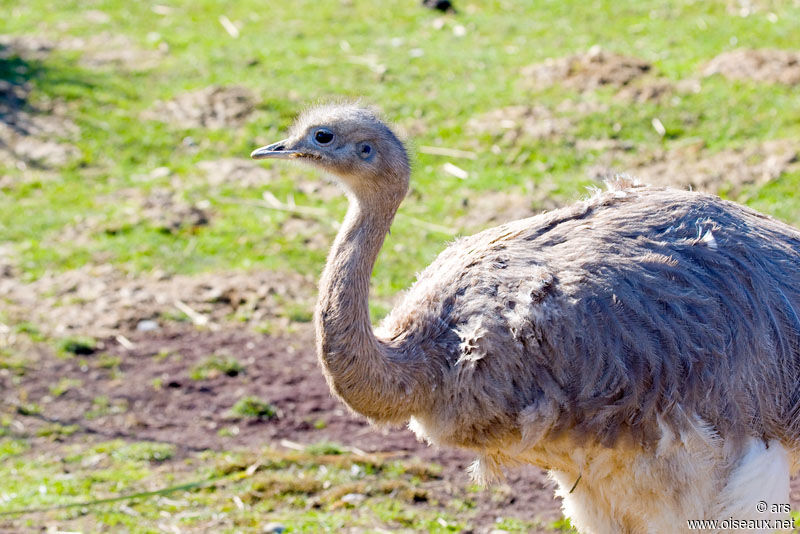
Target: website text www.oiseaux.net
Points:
(769, 525)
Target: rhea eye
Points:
(323, 136)
(365, 151)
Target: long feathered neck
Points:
(368, 374)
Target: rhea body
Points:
(644, 342)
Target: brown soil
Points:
(137, 385)
(20, 147)
(148, 394)
(656, 89)
(692, 166)
(212, 107)
(240, 172)
(582, 105)
(514, 123)
(491, 208)
(586, 72)
(728, 170)
(772, 66)
(102, 301)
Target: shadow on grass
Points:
(17, 75)
(21, 73)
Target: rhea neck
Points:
(371, 376)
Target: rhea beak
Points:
(275, 150)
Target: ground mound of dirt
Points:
(586, 72)
(764, 65)
(512, 123)
(656, 89)
(730, 170)
(211, 107)
(102, 301)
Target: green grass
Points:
(253, 408)
(291, 54)
(216, 365)
(78, 345)
(63, 386)
(135, 487)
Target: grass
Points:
(253, 408)
(132, 486)
(216, 365)
(432, 78)
(78, 345)
(301, 53)
(102, 406)
(63, 386)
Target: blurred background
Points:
(156, 285)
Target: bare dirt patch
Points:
(513, 123)
(586, 72)
(764, 65)
(657, 89)
(730, 170)
(583, 105)
(495, 207)
(211, 107)
(148, 393)
(236, 171)
(103, 301)
(491, 208)
(692, 166)
(23, 144)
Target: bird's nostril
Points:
(279, 147)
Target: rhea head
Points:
(353, 144)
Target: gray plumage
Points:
(654, 323)
(639, 301)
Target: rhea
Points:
(642, 345)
